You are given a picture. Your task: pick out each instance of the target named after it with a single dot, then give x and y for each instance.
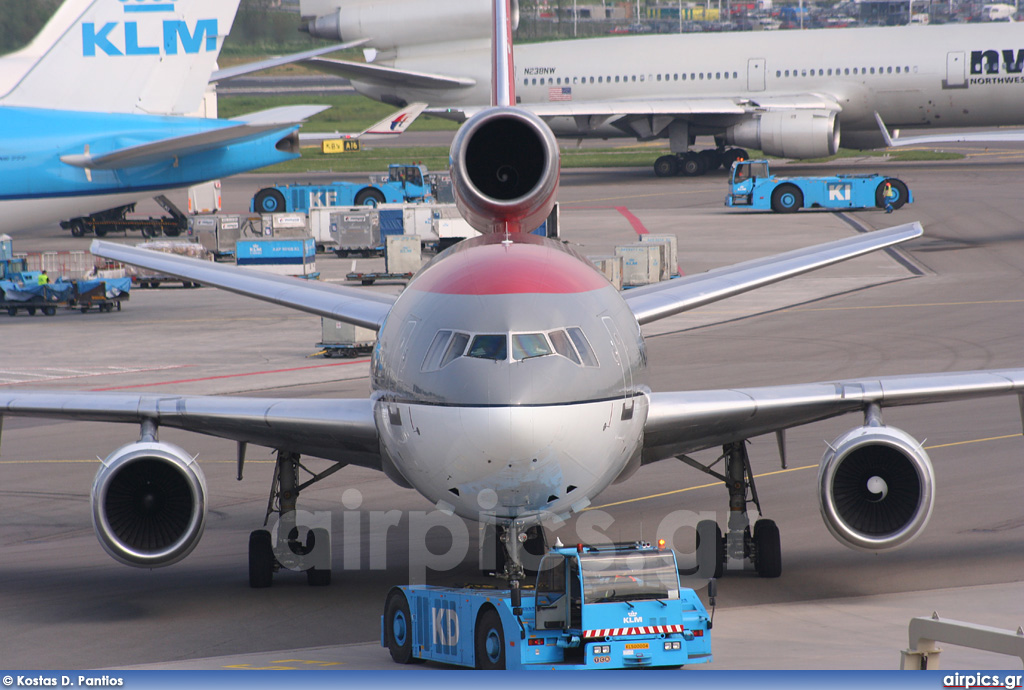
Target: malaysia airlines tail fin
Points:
(126, 56)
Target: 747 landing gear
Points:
(312, 555)
(762, 547)
(693, 163)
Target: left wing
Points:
(237, 131)
(270, 63)
(350, 305)
(339, 430)
(391, 126)
(685, 422)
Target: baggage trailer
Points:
(609, 607)
(117, 220)
(752, 185)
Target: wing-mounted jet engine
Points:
(876, 488)
(149, 504)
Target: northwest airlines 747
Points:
(508, 383)
(797, 94)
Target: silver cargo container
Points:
(402, 254)
(641, 263)
(357, 229)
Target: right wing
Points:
(337, 302)
(391, 126)
(334, 429)
(659, 300)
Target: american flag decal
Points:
(560, 93)
(617, 632)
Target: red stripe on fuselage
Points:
(525, 264)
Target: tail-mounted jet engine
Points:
(805, 133)
(389, 24)
(876, 488)
(149, 504)
(504, 165)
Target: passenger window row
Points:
(448, 345)
(622, 79)
(843, 71)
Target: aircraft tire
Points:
(667, 166)
(767, 549)
(318, 577)
(490, 642)
(261, 559)
(733, 155)
(77, 229)
(710, 527)
(692, 165)
(787, 198)
(712, 159)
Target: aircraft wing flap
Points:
(241, 129)
(333, 429)
(686, 422)
(350, 305)
(389, 76)
(657, 301)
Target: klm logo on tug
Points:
(633, 617)
(122, 38)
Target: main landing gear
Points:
(312, 554)
(760, 548)
(694, 163)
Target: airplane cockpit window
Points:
(455, 348)
(489, 347)
(527, 345)
(432, 359)
(587, 356)
(563, 346)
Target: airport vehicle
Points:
(117, 220)
(505, 361)
(21, 291)
(91, 110)
(404, 183)
(752, 185)
(610, 607)
(788, 94)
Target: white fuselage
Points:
(965, 75)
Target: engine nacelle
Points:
(149, 504)
(789, 133)
(504, 165)
(392, 24)
(876, 488)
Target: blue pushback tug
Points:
(612, 607)
(752, 185)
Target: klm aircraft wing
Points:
(340, 303)
(333, 429)
(657, 301)
(214, 137)
(686, 422)
(389, 76)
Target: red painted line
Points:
(232, 376)
(633, 220)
